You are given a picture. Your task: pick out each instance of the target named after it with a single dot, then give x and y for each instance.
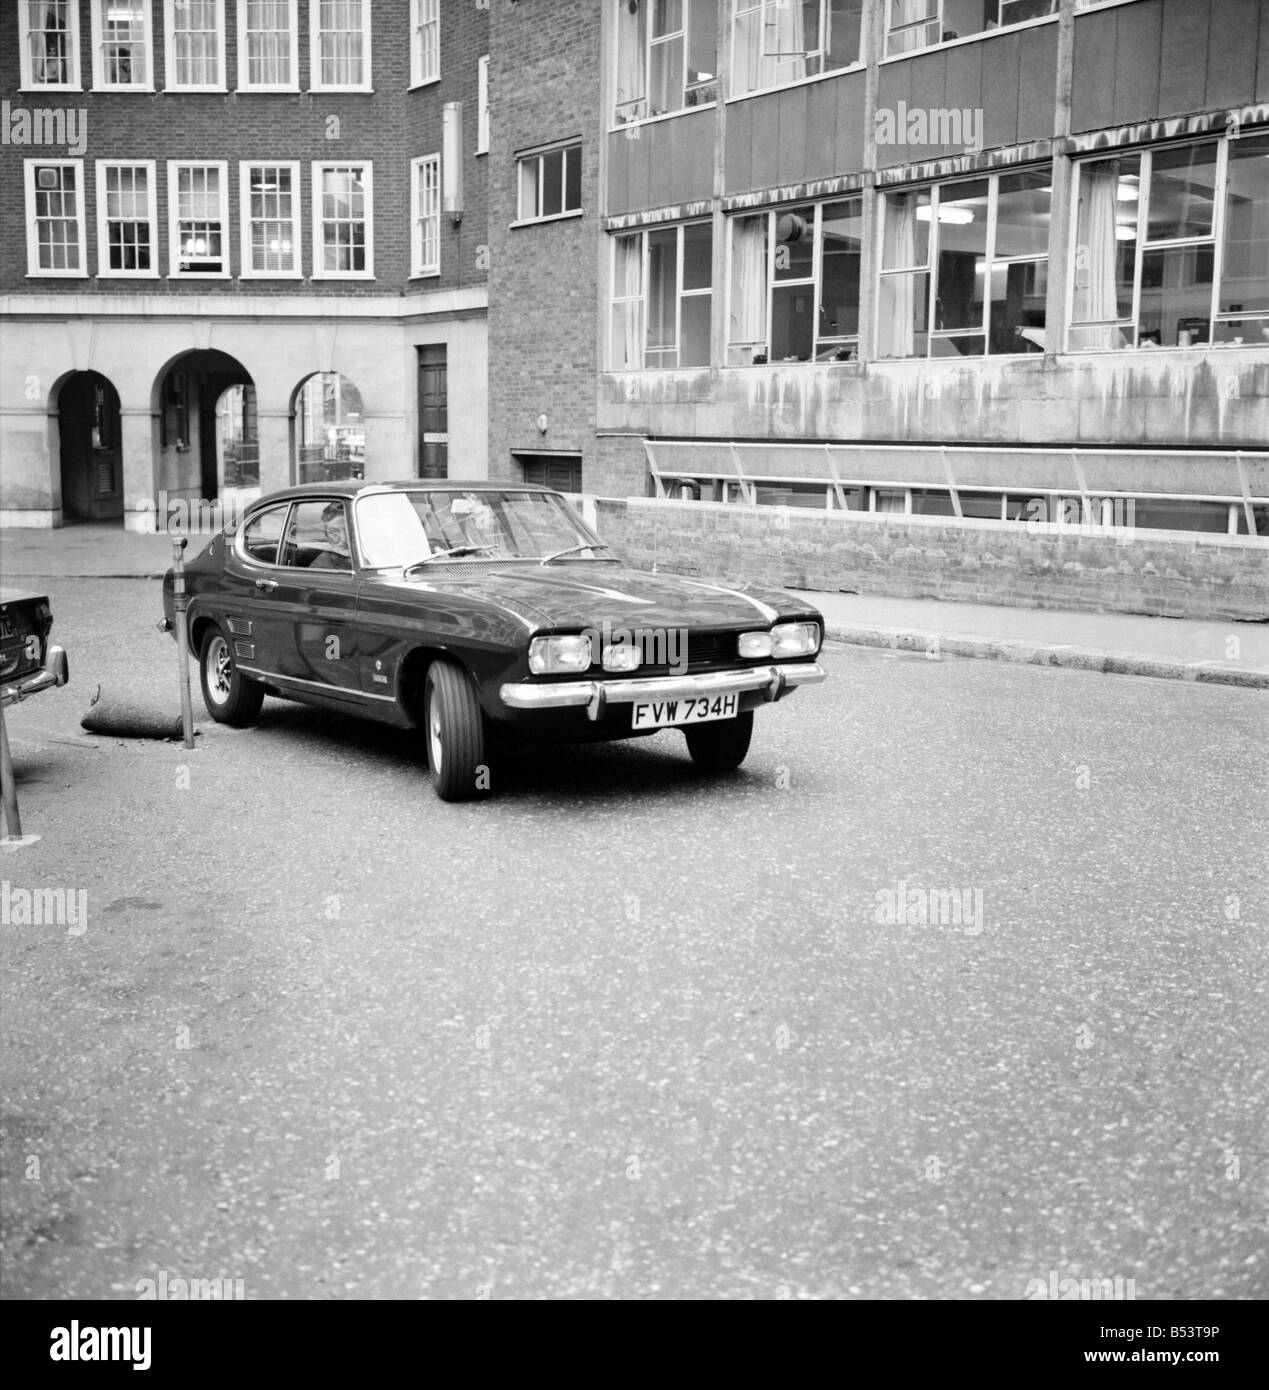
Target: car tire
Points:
(230, 697)
(721, 746)
(455, 732)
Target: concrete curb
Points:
(1043, 654)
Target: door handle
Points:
(266, 584)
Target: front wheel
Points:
(720, 746)
(230, 697)
(455, 735)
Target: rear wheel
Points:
(455, 731)
(720, 746)
(230, 697)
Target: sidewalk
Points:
(1225, 653)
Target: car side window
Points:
(317, 537)
(263, 533)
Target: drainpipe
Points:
(1063, 178)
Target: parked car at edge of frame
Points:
(28, 664)
(484, 614)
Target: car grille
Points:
(706, 651)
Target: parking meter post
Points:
(182, 636)
(12, 820)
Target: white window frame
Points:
(940, 6)
(739, 8)
(420, 265)
(104, 270)
(649, 44)
(33, 267)
(246, 270)
(99, 65)
(245, 83)
(482, 104)
(319, 166)
(315, 83)
(170, 82)
(538, 155)
(425, 15)
(641, 299)
(1215, 239)
(74, 84)
(174, 166)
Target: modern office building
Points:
(242, 243)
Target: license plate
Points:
(697, 709)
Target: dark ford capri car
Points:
(28, 664)
(486, 615)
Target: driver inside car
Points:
(337, 555)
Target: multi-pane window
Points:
(268, 43)
(340, 44)
(127, 241)
(482, 105)
(964, 267)
(55, 217)
(195, 45)
(1172, 246)
(781, 41)
(50, 43)
(666, 56)
(662, 293)
(917, 24)
(795, 284)
(122, 54)
(425, 197)
(425, 41)
(342, 221)
(198, 213)
(550, 183)
(270, 199)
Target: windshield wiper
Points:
(572, 550)
(444, 554)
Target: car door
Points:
(250, 579)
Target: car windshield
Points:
(406, 528)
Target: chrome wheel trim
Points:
(220, 670)
(434, 746)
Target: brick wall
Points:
(543, 288)
(1162, 573)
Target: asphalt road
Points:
(626, 1031)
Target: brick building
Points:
(243, 244)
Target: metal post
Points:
(182, 636)
(13, 821)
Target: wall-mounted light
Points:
(452, 160)
(543, 423)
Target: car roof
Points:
(355, 487)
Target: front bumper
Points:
(55, 672)
(771, 680)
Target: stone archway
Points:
(330, 429)
(208, 442)
(90, 448)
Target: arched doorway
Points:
(209, 446)
(330, 429)
(91, 453)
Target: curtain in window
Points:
(762, 33)
(748, 288)
(631, 72)
(341, 43)
(50, 50)
(268, 42)
(1096, 276)
(898, 292)
(628, 301)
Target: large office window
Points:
(666, 56)
(343, 222)
(662, 295)
(1171, 246)
(340, 45)
(55, 217)
(269, 196)
(781, 41)
(198, 212)
(195, 45)
(123, 57)
(964, 267)
(49, 35)
(550, 183)
(795, 284)
(425, 198)
(127, 239)
(268, 45)
(915, 24)
(425, 41)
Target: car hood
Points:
(588, 594)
